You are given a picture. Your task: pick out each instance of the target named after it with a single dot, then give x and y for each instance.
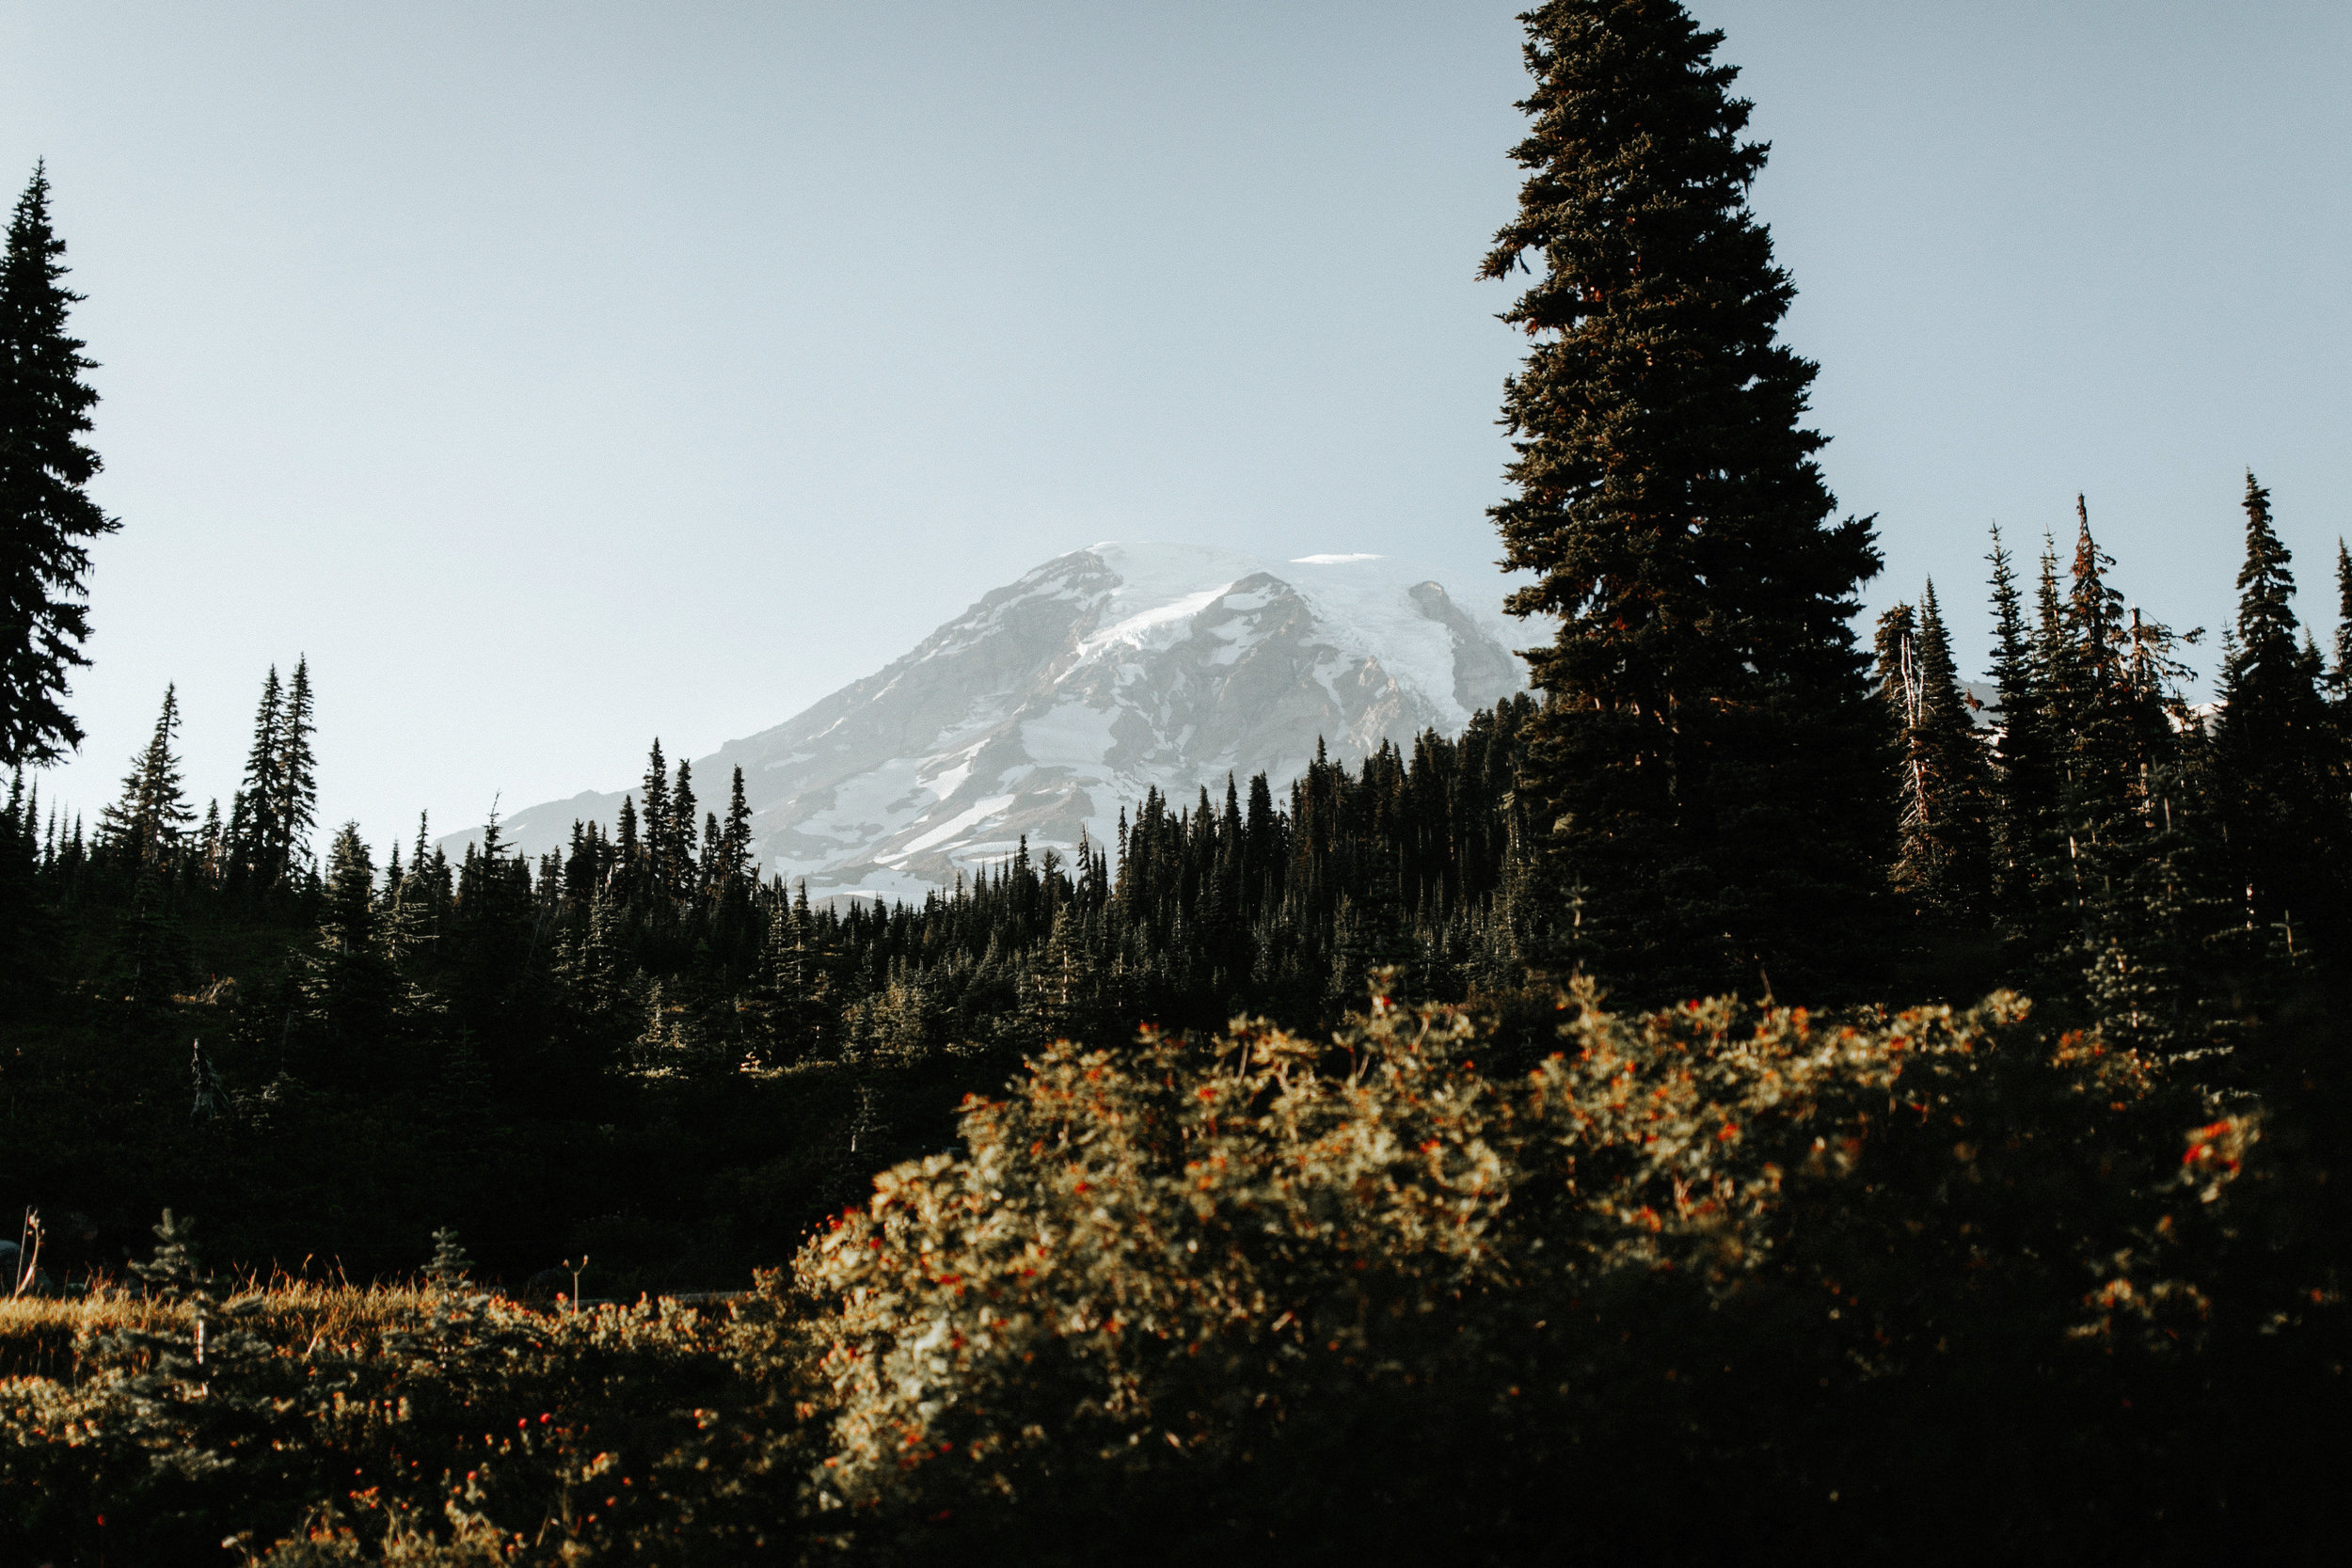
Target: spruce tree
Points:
(1705, 757)
(347, 980)
(653, 812)
(2128, 846)
(2279, 752)
(295, 810)
(2023, 785)
(47, 517)
(681, 835)
(2340, 677)
(201, 1393)
(142, 829)
(496, 961)
(23, 921)
(1944, 861)
(736, 837)
(253, 815)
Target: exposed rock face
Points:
(1060, 698)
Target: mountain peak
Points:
(1061, 697)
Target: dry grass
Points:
(38, 1334)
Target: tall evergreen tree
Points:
(142, 829)
(682, 835)
(1955, 758)
(735, 839)
(1706, 759)
(21, 915)
(2126, 849)
(2023, 787)
(253, 813)
(47, 517)
(654, 821)
(295, 807)
(2279, 753)
(347, 982)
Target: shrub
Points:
(1699, 1270)
(1928, 1284)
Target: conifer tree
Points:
(1942, 860)
(2281, 755)
(417, 901)
(211, 843)
(253, 815)
(2127, 848)
(736, 837)
(597, 972)
(654, 821)
(2023, 789)
(628, 847)
(682, 835)
(1706, 757)
(47, 517)
(142, 829)
(202, 1393)
(294, 811)
(347, 984)
(2340, 676)
(496, 958)
(21, 915)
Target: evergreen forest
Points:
(1757, 1092)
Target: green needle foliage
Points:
(47, 517)
(1705, 760)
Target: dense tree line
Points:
(647, 969)
(2166, 873)
(1707, 791)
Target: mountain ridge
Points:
(1053, 702)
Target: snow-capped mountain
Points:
(1060, 698)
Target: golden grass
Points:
(38, 1334)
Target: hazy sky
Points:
(559, 375)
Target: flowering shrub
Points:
(1692, 1276)
(1276, 1261)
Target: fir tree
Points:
(294, 809)
(628, 847)
(417, 901)
(253, 815)
(2279, 752)
(47, 517)
(2023, 786)
(2340, 676)
(735, 838)
(1942, 858)
(1705, 756)
(654, 821)
(142, 829)
(680, 836)
(22, 920)
(200, 1392)
(347, 986)
(211, 844)
(495, 937)
(2137, 914)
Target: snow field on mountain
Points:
(1055, 702)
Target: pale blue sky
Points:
(556, 376)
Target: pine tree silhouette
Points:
(1706, 760)
(47, 517)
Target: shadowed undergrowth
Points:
(1693, 1276)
